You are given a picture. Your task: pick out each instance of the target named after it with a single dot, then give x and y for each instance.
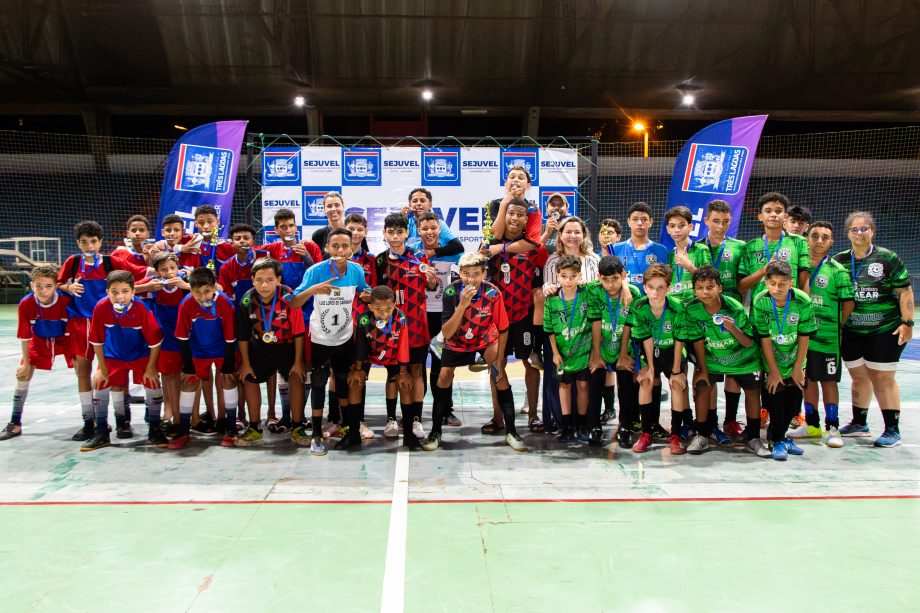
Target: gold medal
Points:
(506, 268)
(269, 337)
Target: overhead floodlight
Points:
(638, 126)
(427, 95)
(300, 101)
(688, 100)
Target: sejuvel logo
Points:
(714, 169)
(441, 167)
(281, 166)
(204, 169)
(361, 167)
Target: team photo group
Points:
(601, 334)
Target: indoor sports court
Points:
(526, 135)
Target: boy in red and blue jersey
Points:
(209, 250)
(205, 331)
(295, 257)
(235, 278)
(126, 338)
(139, 247)
(42, 331)
(83, 276)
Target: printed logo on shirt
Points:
(876, 270)
(784, 254)
(821, 280)
(793, 319)
(651, 258)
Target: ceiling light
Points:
(300, 101)
(427, 95)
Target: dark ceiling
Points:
(826, 60)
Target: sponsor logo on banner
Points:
(525, 158)
(441, 167)
(313, 213)
(715, 169)
(205, 170)
(569, 193)
(361, 166)
(281, 166)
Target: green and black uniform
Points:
(568, 321)
(830, 288)
(867, 334)
(645, 325)
(783, 325)
(682, 278)
(790, 248)
(725, 258)
(724, 354)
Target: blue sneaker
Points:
(852, 429)
(792, 448)
(779, 451)
(685, 432)
(566, 436)
(889, 438)
(582, 435)
(721, 439)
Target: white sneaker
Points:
(698, 444)
(418, 430)
(331, 429)
(391, 430)
(800, 431)
(366, 433)
(515, 442)
(757, 447)
(833, 438)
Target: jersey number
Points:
(832, 367)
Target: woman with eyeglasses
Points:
(877, 331)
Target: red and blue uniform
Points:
(235, 277)
(45, 327)
(165, 306)
(126, 338)
(207, 254)
(293, 266)
(130, 255)
(207, 337)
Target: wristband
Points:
(674, 374)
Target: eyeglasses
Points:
(859, 229)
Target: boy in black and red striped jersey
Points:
(42, 331)
(139, 247)
(409, 273)
(516, 275)
(474, 322)
(83, 277)
(381, 338)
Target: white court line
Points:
(394, 571)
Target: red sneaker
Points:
(228, 441)
(644, 442)
(675, 445)
(733, 429)
(179, 442)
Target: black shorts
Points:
(392, 370)
(435, 323)
(664, 363)
(339, 358)
(520, 339)
(879, 351)
(418, 355)
(569, 378)
(267, 359)
(822, 366)
(746, 381)
(451, 358)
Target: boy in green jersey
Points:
(652, 322)
(726, 254)
(775, 244)
(717, 330)
(565, 321)
(608, 316)
(783, 321)
(686, 256)
(832, 302)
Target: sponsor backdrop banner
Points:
(201, 169)
(714, 165)
(377, 181)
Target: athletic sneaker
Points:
(624, 438)
(608, 416)
(797, 420)
(889, 438)
(180, 442)
(566, 436)
(170, 429)
(331, 430)
(279, 426)
(418, 430)
(365, 432)
(98, 441)
(798, 431)
(299, 436)
(659, 434)
(757, 447)
(452, 420)
(833, 438)
(854, 429)
(582, 435)
(391, 430)
(721, 439)
(432, 442)
(123, 430)
(515, 442)
(792, 448)
(156, 438)
(644, 442)
(479, 365)
(247, 438)
(11, 431)
(536, 360)
(205, 427)
(676, 445)
(596, 437)
(348, 442)
(779, 451)
(698, 444)
(85, 433)
(317, 446)
(733, 429)
(228, 440)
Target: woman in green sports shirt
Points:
(878, 329)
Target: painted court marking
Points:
(394, 572)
